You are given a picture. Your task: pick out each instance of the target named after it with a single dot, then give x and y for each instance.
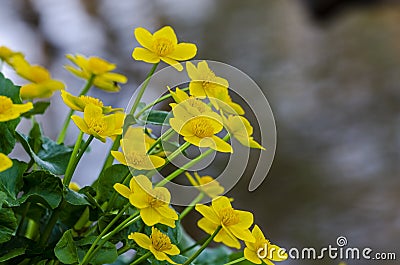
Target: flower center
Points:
(163, 46)
(160, 241)
(89, 100)
(136, 158)
(5, 104)
(97, 125)
(156, 199)
(202, 127)
(229, 216)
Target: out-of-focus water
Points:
(334, 90)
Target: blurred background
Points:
(330, 70)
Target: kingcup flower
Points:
(204, 83)
(199, 130)
(135, 145)
(10, 111)
(240, 128)
(101, 126)
(235, 223)
(6, 54)
(206, 184)
(262, 251)
(42, 86)
(185, 103)
(159, 244)
(162, 45)
(153, 203)
(79, 103)
(100, 69)
(5, 162)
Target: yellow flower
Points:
(240, 128)
(158, 243)
(10, 111)
(262, 250)
(153, 203)
(79, 103)
(199, 130)
(42, 86)
(235, 223)
(124, 190)
(162, 45)
(99, 125)
(101, 69)
(206, 184)
(5, 162)
(193, 106)
(7, 54)
(135, 145)
(206, 84)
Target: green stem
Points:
(124, 249)
(187, 165)
(83, 149)
(198, 252)
(191, 205)
(50, 225)
(235, 261)
(70, 169)
(199, 242)
(115, 194)
(163, 137)
(21, 222)
(142, 258)
(61, 136)
(90, 252)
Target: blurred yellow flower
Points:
(124, 190)
(204, 83)
(135, 145)
(5, 162)
(206, 184)
(240, 128)
(100, 69)
(162, 45)
(79, 103)
(235, 223)
(199, 130)
(153, 203)
(193, 106)
(95, 123)
(7, 54)
(158, 243)
(269, 253)
(42, 86)
(10, 111)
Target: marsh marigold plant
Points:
(46, 217)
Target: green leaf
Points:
(8, 224)
(106, 181)
(65, 250)
(14, 248)
(107, 253)
(11, 182)
(51, 156)
(157, 117)
(42, 187)
(38, 108)
(7, 129)
(76, 198)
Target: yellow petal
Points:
(144, 37)
(141, 239)
(142, 54)
(166, 32)
(123, 190)
(167, 212)
(139, 200)
(258, 234)
(5, 162)
(278, 254)
(150, 216)
(207, 226)
(173, 251)
(143, 183)
(184, 51)
(220, 145)
(196, 89)
(220, 203)
(156, 161)
(246, 219)
(168, 221)
(208, 213)
(252, 256)
(119, 156)
(80, 123)
(172, 62)
(160, 255)
(227, 239)
(164, 193)
(241, 233)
